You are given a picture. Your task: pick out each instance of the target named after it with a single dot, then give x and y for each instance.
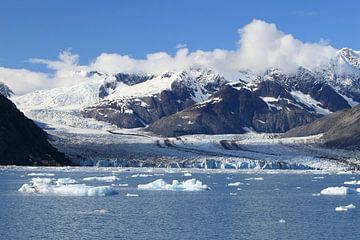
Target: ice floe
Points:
(120, 185)
(354, 182)
(41, 174)
(55, 187)
(141, 175)
(282, 221)
(187, 174)
(235, 184)
(131, 195)
(335, 191)
(188, 185)
(254, 179)
(102, 179)
(61, 181)
(344, 208)
(233, 194)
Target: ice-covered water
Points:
(283, 205)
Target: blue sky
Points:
(43, 28)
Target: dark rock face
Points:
(341, 129)
(232, 110)
(132, 112)
(5, 90)
(22, 142)
(313, 85)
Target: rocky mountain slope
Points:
(5, 90)
(22, 142)
(340, 129)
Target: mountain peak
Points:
(5, 90)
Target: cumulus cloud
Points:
(261, 46)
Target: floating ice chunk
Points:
(141, 175)
(315, 194)
(102, 179)
(49, 186)
(61, 181)
(282, 221)
(354, 182)
(319, 177)
(188, 185)
(335, 191)
(235, 184)
(254, 179)
(159, 174)
(239, 189)
(344, 208)
(233, 194)
(298, 187)
(101, 211)
(344, 172)
(131, 195)
(120, 185)
(276, 189)
(42, 174)
(187, 174)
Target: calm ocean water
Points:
(281, 206)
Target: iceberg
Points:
(344, 208)
(102, 179)
(188, 185)
(56, 187)
(335, 191)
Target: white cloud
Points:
(180, 45)
(261, 46)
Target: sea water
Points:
(233, 205)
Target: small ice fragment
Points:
(239, 189)
(315, 194)
(42, 174)
(344, 208)
(102, 179)
(298, 187)
(254, 179)
(141, 175)
(235, 184)
(354, 182)
(187, 174)
(282, 221)
(233, 194)
(102, 211)
(131, 195)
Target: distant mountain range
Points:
(199, 100)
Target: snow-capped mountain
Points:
(5, 90)
(131, 100)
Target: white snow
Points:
(188, 185)
(335, 191)
(310, 102)
(344, 208)
(54, 187)
(235, 184)
(102, 179)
